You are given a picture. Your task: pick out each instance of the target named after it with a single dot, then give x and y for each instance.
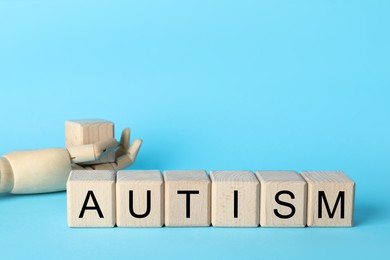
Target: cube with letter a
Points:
(91, 198)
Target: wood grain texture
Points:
(277, 188)
(327, 190)
(138, 213)
(89, 131)
(235, 199)
(83, 188)
(176, 211)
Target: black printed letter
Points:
(95, 203)
(131, 205)
(235, 203)
(322, 197)
(188, 200)
(277, 199)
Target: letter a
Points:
(95, 206)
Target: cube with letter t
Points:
(330, 198)
(91, 198)
(187, 198)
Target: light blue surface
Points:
(207, 84)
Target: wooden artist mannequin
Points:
(47, 170)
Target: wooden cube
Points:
(140, 198)
(282, 199)
(187, 198)
(91, 198)
(330, 198)
(89, 131)
(234, 199)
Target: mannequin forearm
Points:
(35, 171)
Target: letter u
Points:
(131, 205)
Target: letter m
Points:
(322, 199)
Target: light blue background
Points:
(208, 85)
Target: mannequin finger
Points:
(134, 148)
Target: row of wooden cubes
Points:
(147, 198)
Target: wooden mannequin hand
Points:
(92, 152)
(125, 148)
(125, 154)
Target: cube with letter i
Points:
(91, 198)
(235, 199)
